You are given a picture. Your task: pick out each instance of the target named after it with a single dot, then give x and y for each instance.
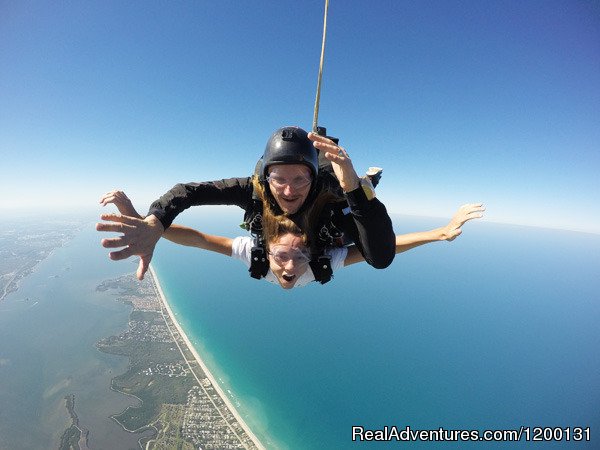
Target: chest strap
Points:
(329, 236)
(259, 263)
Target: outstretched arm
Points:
(140, 235)
(193, 238)
(178, 234)
(451, 231)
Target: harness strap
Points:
(321, 268)
(259, 264)
(328, 235)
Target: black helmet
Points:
(290, 145)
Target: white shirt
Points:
(242, 246)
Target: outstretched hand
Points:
(340, 161)
(121, 201)
(139, 238)
(464, 214)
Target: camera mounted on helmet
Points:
(289, 145)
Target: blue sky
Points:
(459, 101)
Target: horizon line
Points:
(85, 209)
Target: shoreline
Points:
(201, 363)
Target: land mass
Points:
(74, 437)
(179, 400)
(24, 245)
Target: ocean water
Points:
(48, 331)
(496, 330)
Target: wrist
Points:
(442, 234)
(358, 201)
(350, 186)
(154, 222)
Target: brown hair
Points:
(276, 225)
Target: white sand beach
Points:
(207, 372)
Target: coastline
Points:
(201, 363)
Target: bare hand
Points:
(139, 238)
(121, 201)
(464, 214)
(340, 161)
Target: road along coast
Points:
(180, 404)
(177, 331)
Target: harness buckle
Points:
(321, 267)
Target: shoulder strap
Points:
(320, 262)
(321, 268)
(259, 264)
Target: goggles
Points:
(295, 183)
(283, 255)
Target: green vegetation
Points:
(70, 439)
(149, 316)
(72, 435)
(142, 379)
(181, 413)
(169, 428)
(153, 391)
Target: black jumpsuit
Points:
(365, 222)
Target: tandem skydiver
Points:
(288, 251)
(330, 208)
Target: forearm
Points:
(193, 238)
(372, 229)
(353, 256)
(405, 242)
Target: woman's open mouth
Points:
(288, 278)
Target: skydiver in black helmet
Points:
(289, 254)
(330, 206)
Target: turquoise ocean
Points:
(496, 330)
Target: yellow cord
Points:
(316, 112)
